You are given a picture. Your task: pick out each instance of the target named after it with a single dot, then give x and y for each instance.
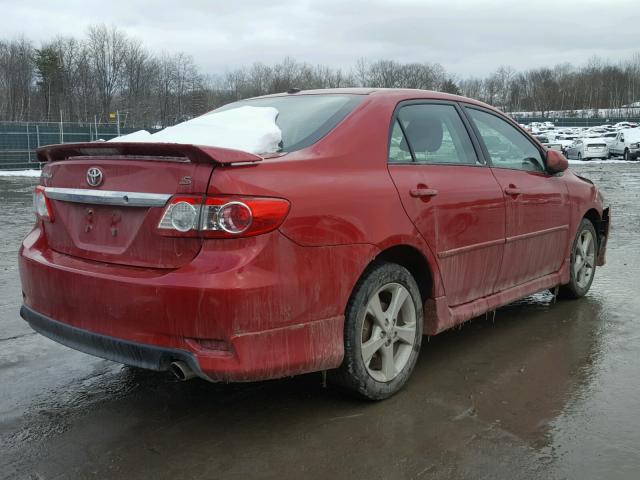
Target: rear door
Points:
(537, 204)
(107, 207)
(450, 195)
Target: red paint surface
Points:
(277, 301)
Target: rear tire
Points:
(382, 332)
(579, 156)
(583, 262)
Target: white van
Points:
(627, 144)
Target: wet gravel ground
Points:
(546, 390)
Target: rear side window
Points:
(398, 147)
(433, 134)
(507, 146)
(304, 119)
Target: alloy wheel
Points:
(388, 332)
(585, 259)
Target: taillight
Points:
(222, 217)
(41, 205)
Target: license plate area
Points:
(104, 228)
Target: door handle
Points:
(423, 192)
(512, 190)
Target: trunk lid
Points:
(108, 198)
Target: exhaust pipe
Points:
(181, 370)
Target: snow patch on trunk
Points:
(251, 129)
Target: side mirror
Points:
(556, 162)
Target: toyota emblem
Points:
(94, 176)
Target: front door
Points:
(450, 195)
(537, 204)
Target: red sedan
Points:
(385, 216)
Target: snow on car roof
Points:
(252, 129)
(631, 133)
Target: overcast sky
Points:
(466, 37)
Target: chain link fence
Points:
(19, 140)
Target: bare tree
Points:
(107, 70)
(108, 47)
(16, 78)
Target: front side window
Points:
(434, 133)
(507, 147)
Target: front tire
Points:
(583, 262)
(626, 155)
(382, 333)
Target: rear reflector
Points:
(222, 217)
(41, 205)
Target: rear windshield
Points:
(304, 119)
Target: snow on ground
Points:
(585, 162)
(19, 173)
(252, 129)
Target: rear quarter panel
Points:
(583, 196)
(339, 188)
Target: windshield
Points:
(304, 119)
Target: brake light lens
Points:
(222, 217)
(41, 205)
(232, 217)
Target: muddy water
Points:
(544, 390)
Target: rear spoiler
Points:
(194, 153)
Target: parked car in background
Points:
(557, 146)
(564, 144)
(609, 138)
(624, 125)
(383, 216)
(626, 144)
(588, 148)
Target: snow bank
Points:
(19, 173)
(252, 129)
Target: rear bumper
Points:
(122, 351)
(599, 154)
(256, 308)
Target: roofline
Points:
(401, 93)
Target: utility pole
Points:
(61, 128)
(118, 120)
(95, 124)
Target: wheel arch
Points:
(413, 260)
(594, 217)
